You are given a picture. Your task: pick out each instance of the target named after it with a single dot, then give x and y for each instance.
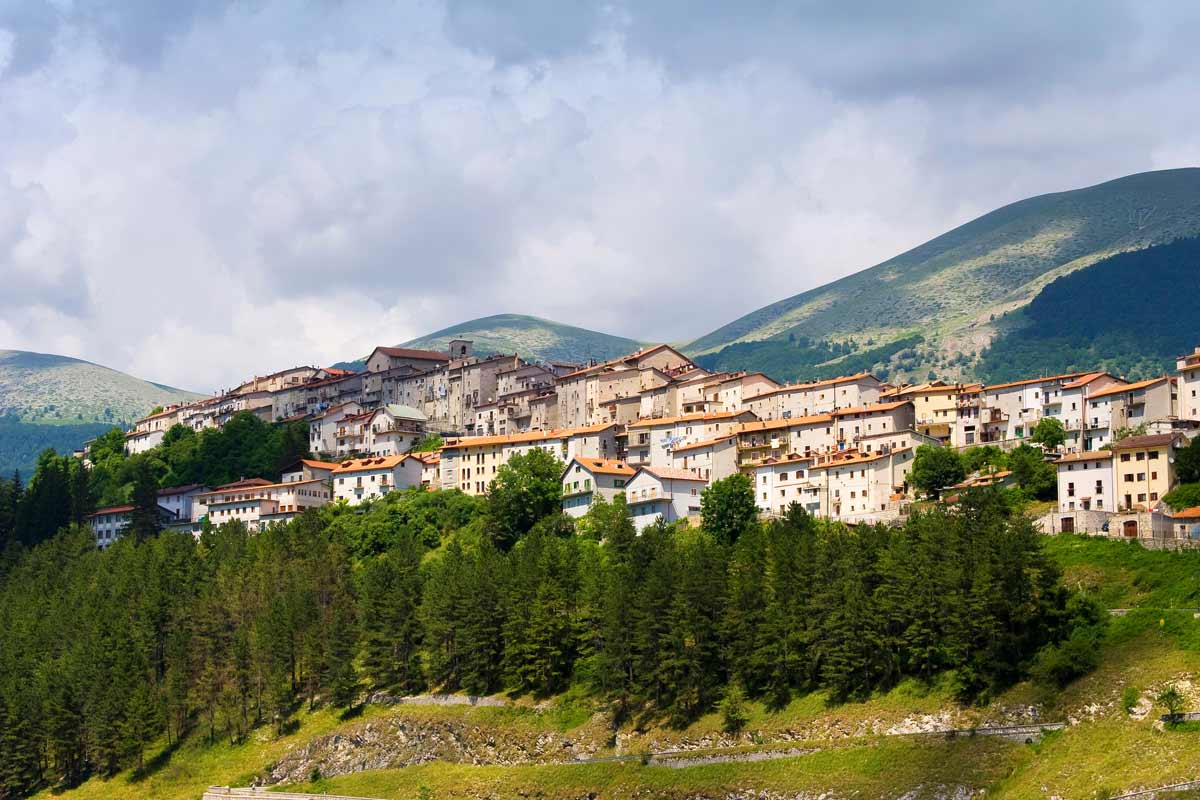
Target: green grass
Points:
(885, 770)
(1125, 574)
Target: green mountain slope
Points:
(531, 337)
(1121, 314)
(953, 289)
(55, 401)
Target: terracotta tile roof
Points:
(636, 354)
(853, 458)
(603, 466)
(255, 485)
(407, 352)
(1187, 513)
(312, 462)
(703, 444)
(531, 436)
(1094, 455)
(815, 384)
(1149, 440)
(369, 464)
(673, 474)
(1128, 387)
(936, 387)
(1086, 379)
(111, 510)
(774, 424)
(1066, 376)
(843, 412)
(790, 458)
(715, 416)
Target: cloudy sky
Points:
(193, 192)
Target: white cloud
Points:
(234, 189)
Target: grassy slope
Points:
(1106, 750)
(948, 287)
(49, 389)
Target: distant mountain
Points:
(531, 337)
(954, 291)
(55, 401)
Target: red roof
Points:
(407, 352)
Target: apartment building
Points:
(1016, 407)
(817, 397)
(651, 441)
(851, 424)
(383, 359)
(1125, 406)
(780, 482)
(109, 524)
(323, 428)
(1144, 469)
(711, 459)
(726, 392)
(1189, 385)
(950, 413)
(763, 440)
(589, 395)
(665, 493)
(257, 503)
(586, 478)
(1085, 482)
(470, 464)
(861, 487)
(363, 479)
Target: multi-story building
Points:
(762, 440)
(1189, 385)
(780, 482)
(590, 395)
(1016, 407)
(852, 424)
(817, 397)
(1085, 482)
(109, 524)
(323, 428)
(363, 479)
(383, 359)
(711, 459)
(861, 487)
(650, 441)
(181, 501)
(947, 412)
(470, 464)
(256, 502)
(1144, 469)
(1122, 407)
(665, 493)
(586, 478)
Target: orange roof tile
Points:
(843, 412)
(369, 464)
(604, 466)
(815, 384)
(1066, 376)
(714, 416)
(1128, 387)
(699, 445)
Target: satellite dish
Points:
(1171, 460)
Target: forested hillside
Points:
(953, 289)
(172, 637)
(1130, 314)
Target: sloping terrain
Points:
(55, 401)
(887, 746)
(531, 337)
(1122, 314)
(953, 289)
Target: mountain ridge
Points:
(952, 288)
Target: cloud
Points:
(196, 192)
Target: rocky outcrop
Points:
(401, 741)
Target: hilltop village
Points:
(656, 429)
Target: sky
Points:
(196, 191)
